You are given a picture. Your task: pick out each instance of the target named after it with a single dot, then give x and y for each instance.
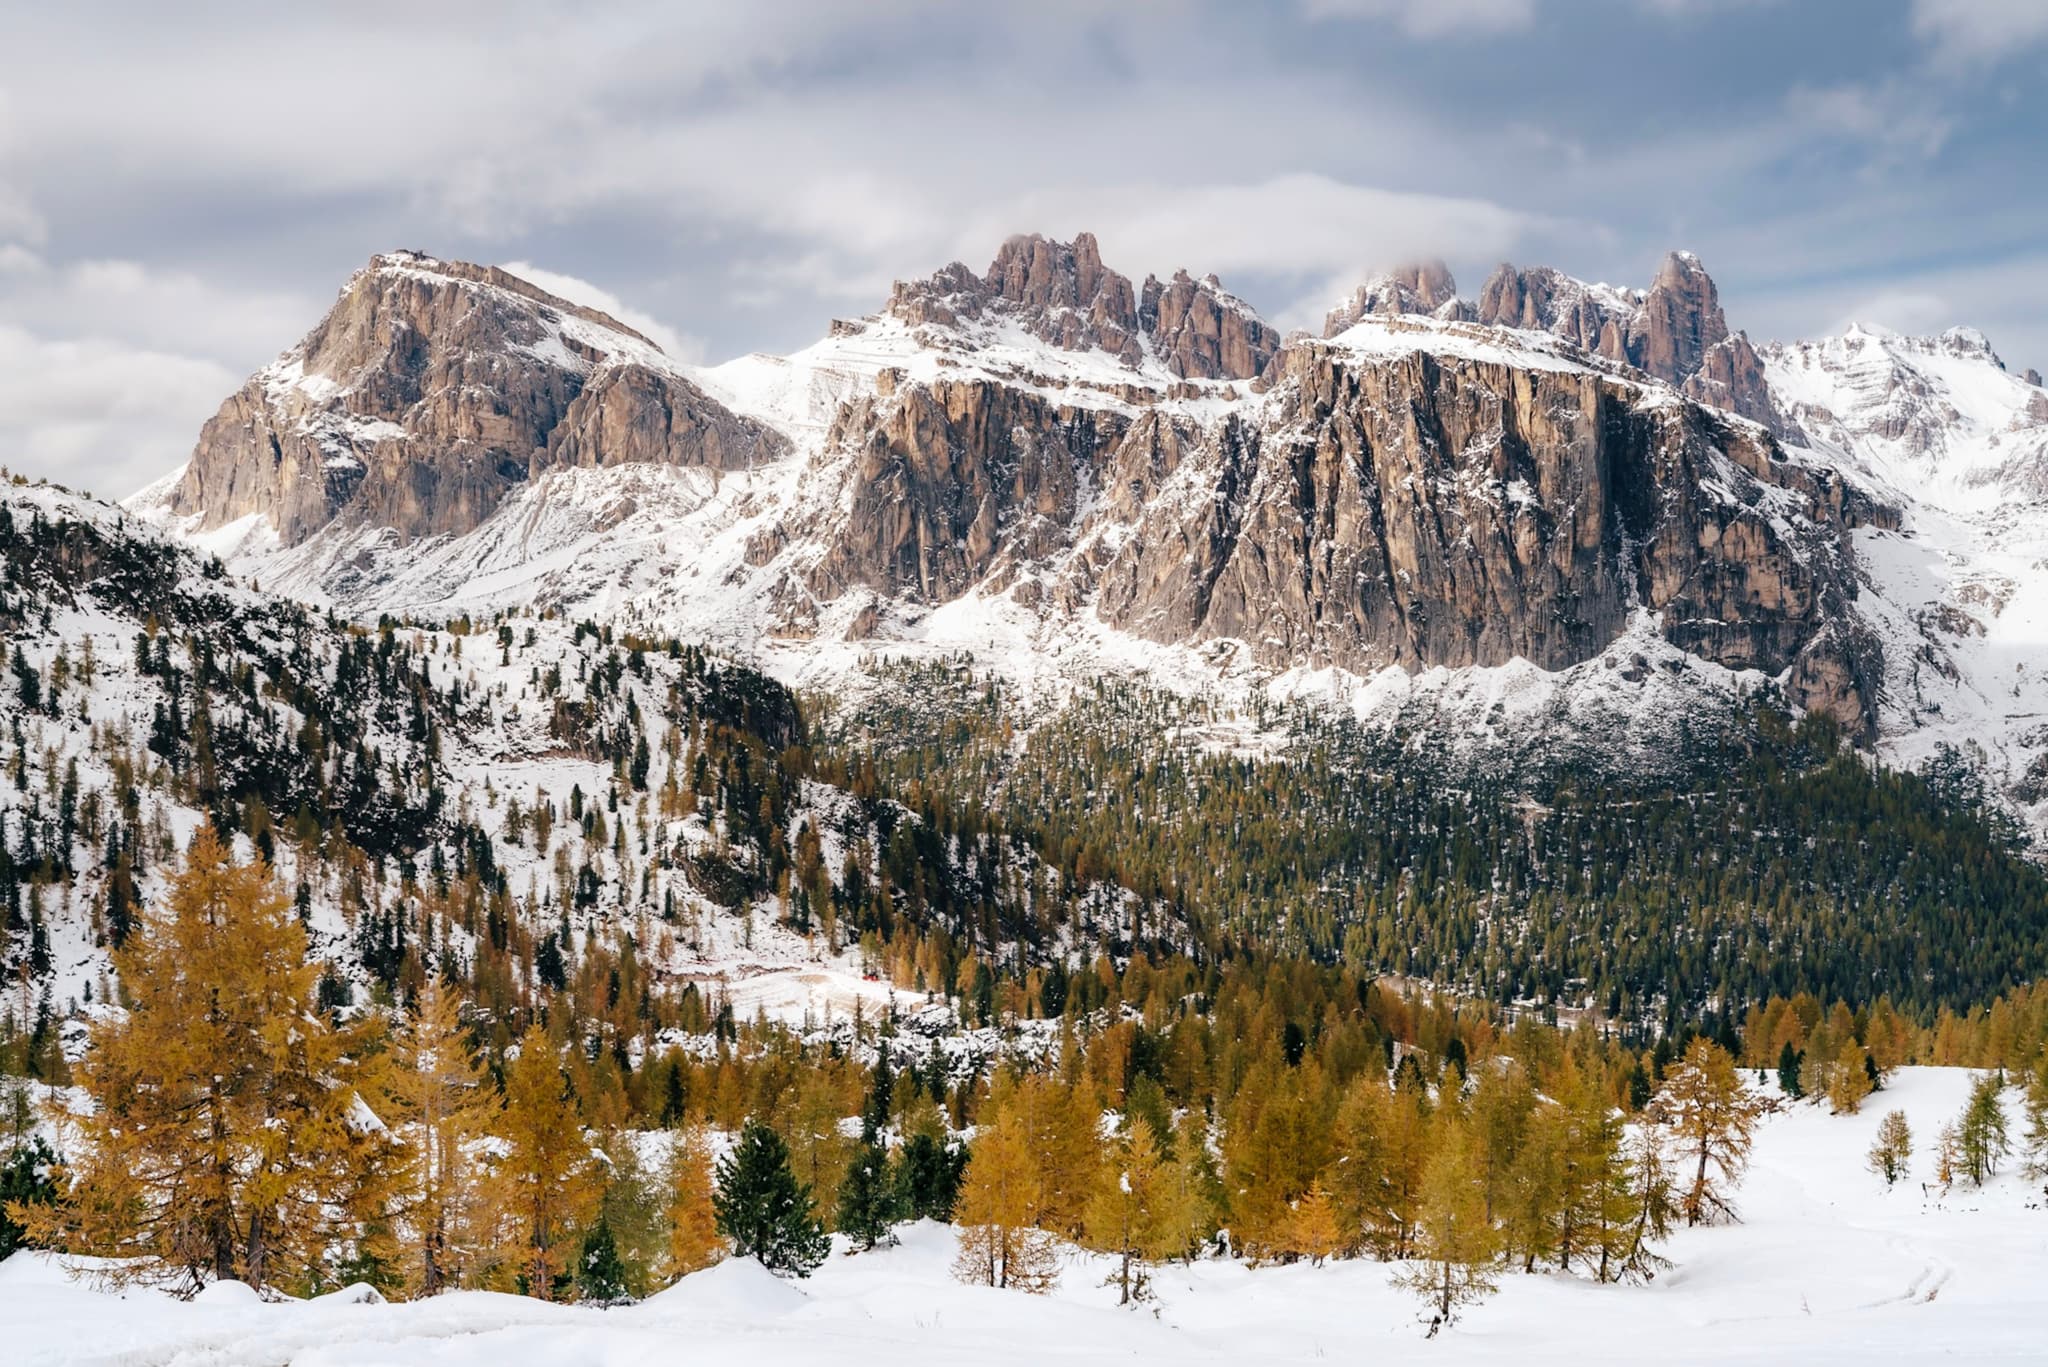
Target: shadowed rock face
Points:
(429, 391)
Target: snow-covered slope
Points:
(1828, 1267)
(1959, 591)
(1937, 419)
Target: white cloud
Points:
(1970, 31)
(1291, 225)
(679, 345)
(108, 368)
(1431, 18)
(1897, 121)
(101, 415)
(165, 310)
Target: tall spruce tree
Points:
(928, 1176)
(762, 1207)
(869, 1199)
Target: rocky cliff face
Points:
(1417, 491)
(1421, 511)
(429, 390)
(1423, 497)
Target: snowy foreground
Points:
(1828, 1268)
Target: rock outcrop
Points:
(1413, 510)
(1427, 511)
(1062, 294)
(1424, 287)
(430, 390)
(1674, 330)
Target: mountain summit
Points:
(1055, 467)
(429, 390)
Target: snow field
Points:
(1828, 1267)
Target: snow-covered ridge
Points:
(1939, 420)
(727, 555)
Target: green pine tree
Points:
(601, 1272)
(928, 1177)
(762, 1207)
(868, 1199)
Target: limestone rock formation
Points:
(1428, 510)
(1413, 510)
(1061, 293)
(429, 390)
(1424, 287)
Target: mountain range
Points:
(1559, 508)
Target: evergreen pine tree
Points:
(869, 1198)
(928, 1176)
(1789, 1062)
(673, 1108)
(600, 1271)
(763, 1209)
(25, 1180)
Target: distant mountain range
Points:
(1558, 505)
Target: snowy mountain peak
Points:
(1425, 287)
(429, 390)
(1937, 416)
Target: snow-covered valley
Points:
(1826, 1267)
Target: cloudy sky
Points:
(180, 199)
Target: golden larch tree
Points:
(1713, 1118)
(225, 1138)
(434, 1089)
(549, 1178)
(1000, 1199)
(693, 1239)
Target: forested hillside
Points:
(1754, 855)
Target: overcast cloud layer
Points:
(181, 196)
